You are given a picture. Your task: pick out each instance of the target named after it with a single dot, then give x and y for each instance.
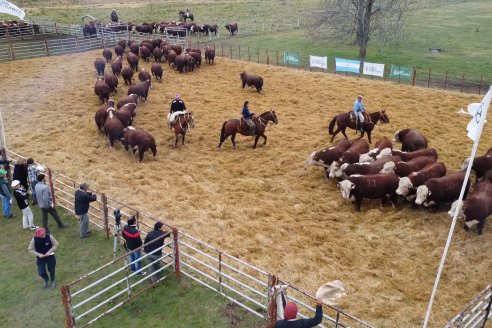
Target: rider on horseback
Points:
(178, 107)
(359, 113)
(248, 118)
(114, 16)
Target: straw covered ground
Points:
(265, 206)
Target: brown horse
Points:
(181, 125)
(233, 126)
(343, 121)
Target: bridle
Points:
(264, 121)
(188, 118)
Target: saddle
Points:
(354, 118)
(243, 124)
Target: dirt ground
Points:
(265, 205)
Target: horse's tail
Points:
(332, 125)
(222, 132)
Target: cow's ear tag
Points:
(353, 186)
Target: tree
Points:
(359, 21)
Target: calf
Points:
(139, 139)
(445, 189)
(102, 90)
(99, 64)
(406, 156)
(108, 54)
(477, 206)
(383, 148)
(117, 66)
(112, 82)
(359, 146)
(127, 74)
(410, 139)
(410, 183)
(403, 169)
(141, 89)
(375, 186)
(132, 98)
(366, 168)
(209, 55)
(157, 71)
(481, 164)
(145, 53)
(144, 75)
(328, 155)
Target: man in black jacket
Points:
(82, 200)
(21, 197)
(133, 241)
(154, 250)
(291, 320)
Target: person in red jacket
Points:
(291, 320)
(132, 242)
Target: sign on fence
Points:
(321, 62)
(347, 65)
(402, 73)
(291, 58)
(373, 69)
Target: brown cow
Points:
(102, 114)
(107, 54)
(144, 76)
(156, 43)
(119, 51)
(383, 147)
(132, 61)
(145, 53)
(131, 107)
(127, 74)
(445, 189)
(366, 168)
(117, 66)
(406, 156)
(232, 28)
(122, 43)
(133, 98)
(134, 49)
(189, 63)
(209, 55)
(102, 90)
(374, 186)
(410, 139)
(113, 128)
(180, 62)
(141, 89)
(124, 115)
(147, 44)
(157, 71)
(409, 184)
(403, 169)
(327, 156)
(197, 57)
(177, 49)
(478, 206)
(157, 55)
(171, 56)
(140, 139)
(481, 164)
(359, 146)
(198, 51)
(99, 64)
(112, 82)
(252, 80)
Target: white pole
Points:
(3, 143)
(483, 116)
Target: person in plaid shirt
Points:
(32, 173)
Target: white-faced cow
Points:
(366, 168)
(383, 148)
(403, 169)
(481, 164)
(409, 184)
(445, 189)
(350, 156)
(327, 156)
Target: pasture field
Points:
(23, 303)
(265, 206)
(461, 29)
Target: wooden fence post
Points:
(276, 56)
(12, 51)
(104, 201)
(239, 51)
(66, 300)
(222, 50)
(446, 80)
(258, 51)
(230, 50)
(176, 252)
(267, 57)
(272, 303)
(480, 85)
(52, 190)
(429, 78)
(137, 217)
(414, 76)
(462, 82)
(77, 44)
(46, 48)
(249, 57)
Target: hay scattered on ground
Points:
(265, 206)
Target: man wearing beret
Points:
(82, 200)
(5, 195)
(291, 320)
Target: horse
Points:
(343, 121)
(233, 126)
(185, 15)
(181, 125)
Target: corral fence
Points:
(476, 313)
(419, 77)
(101, 291)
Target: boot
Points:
(357, 126)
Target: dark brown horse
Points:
(343, 121)
(233, 126)
(181, 125)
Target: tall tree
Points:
(359, 21)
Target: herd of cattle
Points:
(412, 173)
(13, 28)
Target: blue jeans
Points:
(6, 207)
(134, 257)
(44, 262)
(33, 184)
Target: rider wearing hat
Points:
(359, 113)
(248, 118)
(178, 107)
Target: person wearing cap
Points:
(43, 246)
(82, 200)
(21, 196)
(131, 235)
(178, 107)
(114, 16)
(291, 321)
(154, 250)
(32, 173)
(45, 202)
(359, 113)
(5, 195)
(248, 118)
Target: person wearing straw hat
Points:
(43, 246)
(82, 200)
(21, 196)
(291, 321)
(5, 195)
(178, 107)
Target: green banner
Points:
(291, 58)
(402, 73)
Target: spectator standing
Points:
(45, 202)
(43, 246)
(291, 320)
(82, 200)
(152, 258)
(32, 174)
(132, 242)
(5, 195)
(20, 173)
(21, 196)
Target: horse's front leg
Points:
(361, 135)
(176, 141)
(256, 141)
(264, 137)
(343, 132)
(233, 139)
(183, 142)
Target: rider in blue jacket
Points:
(358, 113)
(248, 118)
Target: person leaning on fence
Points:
(5, 195)
(20, 173)
(82, 200)
(45, 202)
(114, 16)
(155, 248)
(131, 235)
(359, 113)
(43, 246)
(291, 321)
(21, 196)
(32, 174)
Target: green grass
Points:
(23, 303)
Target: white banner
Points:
(373, 69)
(11, 9)
(479, 113)
(321, 62)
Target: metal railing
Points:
(240, 282)
(476, 313)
